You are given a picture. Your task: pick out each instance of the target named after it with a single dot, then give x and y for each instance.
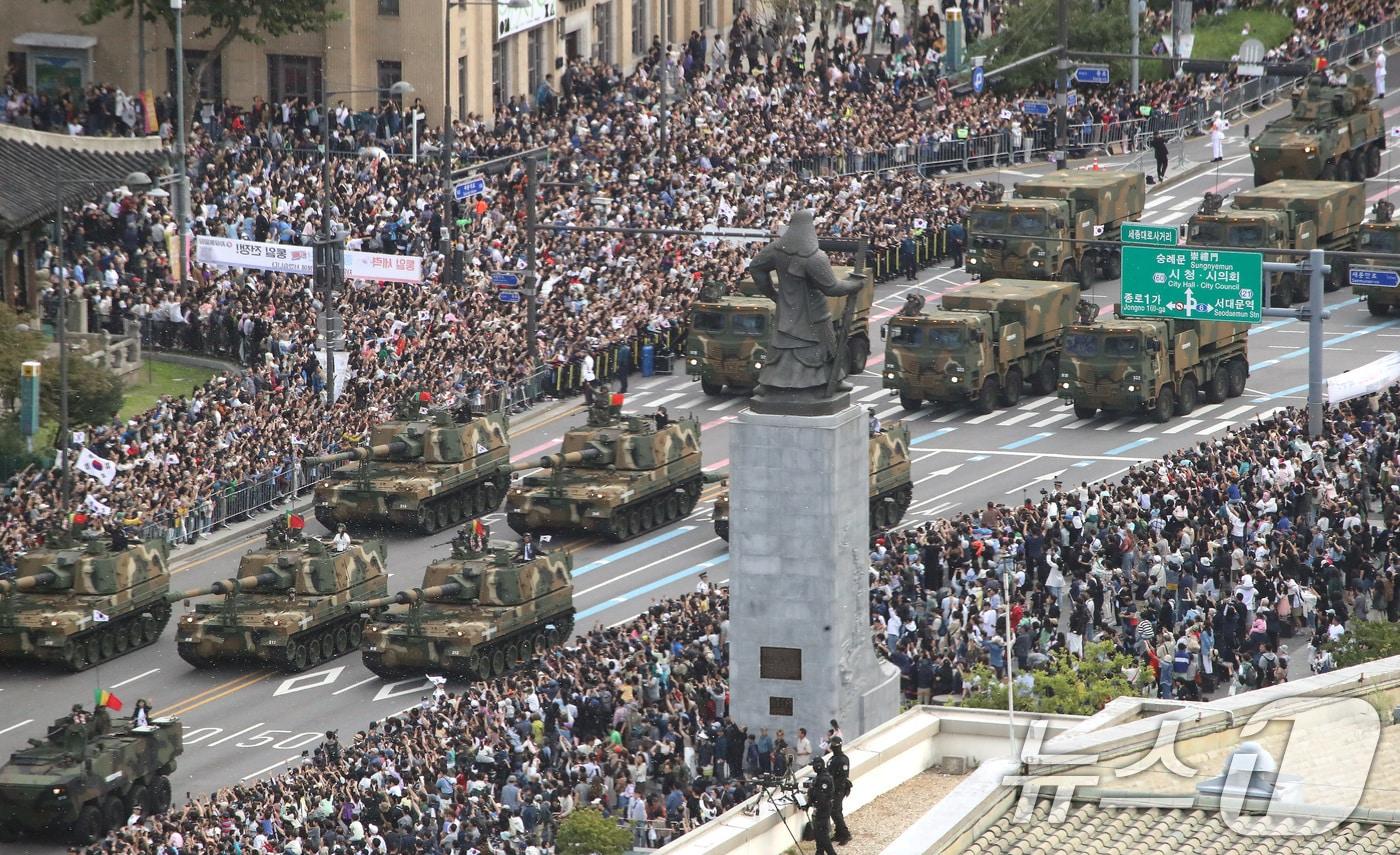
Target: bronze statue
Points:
(804, 366)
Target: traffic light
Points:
(328, 257)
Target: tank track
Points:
(639, 517)
(494, 658)
(466, 502)
(886, 515)
(327, 646)
(107, 641)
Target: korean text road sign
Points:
(508, 296)
(1154, 235)
(1036, 108)
(469, 187)
(505, 280)
(1376, 277)
(1091, 74)
(1194, 284)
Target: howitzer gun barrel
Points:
(28, 583)
(363, 452)
(558, 461)
(265, 579)
(412, 595)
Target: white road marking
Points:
(15, 726)
(989, 476)
(945, 471)
(726, 404)
(1200, 411)
(270, 768)
(1039, 401)
(1143, 428)
(1058, 417)
(977, 420)
(1236, 412)
(233, 735)
(666, 558)
(664, 398)
(134, 679)
(1213, 428)
(1111, 425)
(354, 685)
(1018, 419)
(1157, 200)
(1186, 425)
(948, 417)
(889, 411)
(690, 404)
(873, 395)
(1078, 424)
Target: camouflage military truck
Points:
(1160, 367)
(1381, 235)
(428, 470)
(85, 777)
(728, 334)
(1286, 214)
(891, 482)
(1335, 133)
(617, 475)
(477, 614)
(288, 606)
(76, 603)
(982, 346)
(1039, 218)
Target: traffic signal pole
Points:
(1314, 313)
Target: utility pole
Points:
(447, 237)
(531, 274)
(1134, 19)
(1062, 90)
(664, 70)
(329, 252)
(1316, 272)
(141, 53)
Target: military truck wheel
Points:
(986, 400)
(673, 507)
(1043, 382)
(113, 813)
(711, 388)
(89, 825)
(1070, 273)
(1082, 411)
(538, 644)
(160, 795)
(313, 651)
(1372, 159)
(1166, 403)
(857, 354)
(425, 519)
(1216, 388)
(139, 796)
(1011, 392)
(910, 403)
(1328, 173)
(1186, 401)
(442, 515)
(1339, 278)
(1112, 265)
(1378, 310)
(1238, 374)
(1344, 170)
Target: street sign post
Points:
(1147, 234)
(1035, 108)
(508, 296)
(1251, 54)
(473, 185)
(979, 80)
(1193, 284)
(505, 280)
(1376, 277)
(1091, 74)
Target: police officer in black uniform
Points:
(820, 799)
(841, 782)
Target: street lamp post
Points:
(329, 266)
(182, 190)
(134, 181)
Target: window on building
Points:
(499, 86)
(707, 14)
(211, 88)
(461, 86)
(293, 77)
(17, 69)
(389, 8)
(639, 27)
(388, 72)
(534, 43)
(737, 8)
(603, 32)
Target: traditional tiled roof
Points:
(32, 162)
(1089, 828)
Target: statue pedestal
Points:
(799, 593)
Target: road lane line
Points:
(873, 395)
(1129, 446)
(224, 685)
(931, 435)
(1210, 429)
(889, 412)
(1017, 419)
(647, 566)
(134, 679)
(234, 735)
(1039, 402)
(270, 768)
(665, 399)
(947, 417)
(995, 474)
(1200, 411)
(15, 726)
(651, 586)
(633, 549)
(352, 686)
(241, 684)
(1037, 437)
(1143, 428)
(718, 464)
(724, 405)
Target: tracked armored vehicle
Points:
(85, 777)
(76, 602)
(1334, 133)
(891, 482)
(288, 606)
(478, 613)
(617, 475)
(429, 469)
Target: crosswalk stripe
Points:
(1039, 402)
(689, 404)
(1143, 428)
(1200, 411)
(948, 417)
(873, 395)
(680, 385)
(1236, 412)
(724, 405)
(1157, 200)
(1058, 417)
(888, 412)
(665, 399)
(1111, 425)
(1189, 423)
(1018, 419)
(1076, 425)
(977, 420)
(1205, 431)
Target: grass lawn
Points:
(1219, 37)
(157, 379)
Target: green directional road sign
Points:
(1143, 233)
(1196, 284)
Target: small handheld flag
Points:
(103, 698)
(616, 400)
(477, 528)
(296, 522)
(99, 617)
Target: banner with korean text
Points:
(296, 259)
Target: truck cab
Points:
(939, 355)
(1256, 229)
(727, 339)
(1037, 250)
(1112, 365)
(1380, 236)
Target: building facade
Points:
(470, 55)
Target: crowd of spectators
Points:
(1201, 565)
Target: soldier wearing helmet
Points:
(841, 787)
(819, 801)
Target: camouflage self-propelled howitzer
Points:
(288, 606)
(477, 614)
(77, 603)
(617, 475)
(427, 470)
(88, 775)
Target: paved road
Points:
(244, 722)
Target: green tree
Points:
(1031, 27)
(16, 346)
(588, 832)
(226, 21)
(1365, 642)
(1067, 686)
(94, 392)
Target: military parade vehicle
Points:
(477, 614)
(288, 606)
(76, 602)
(891, 482)
(981, 346)
(1334, 133)
(729, 333)
(617, 475)
(429, 469)
(1285, 214)
(1381, 236)
(87, 775)
(1028, 235)
(1160, 367)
